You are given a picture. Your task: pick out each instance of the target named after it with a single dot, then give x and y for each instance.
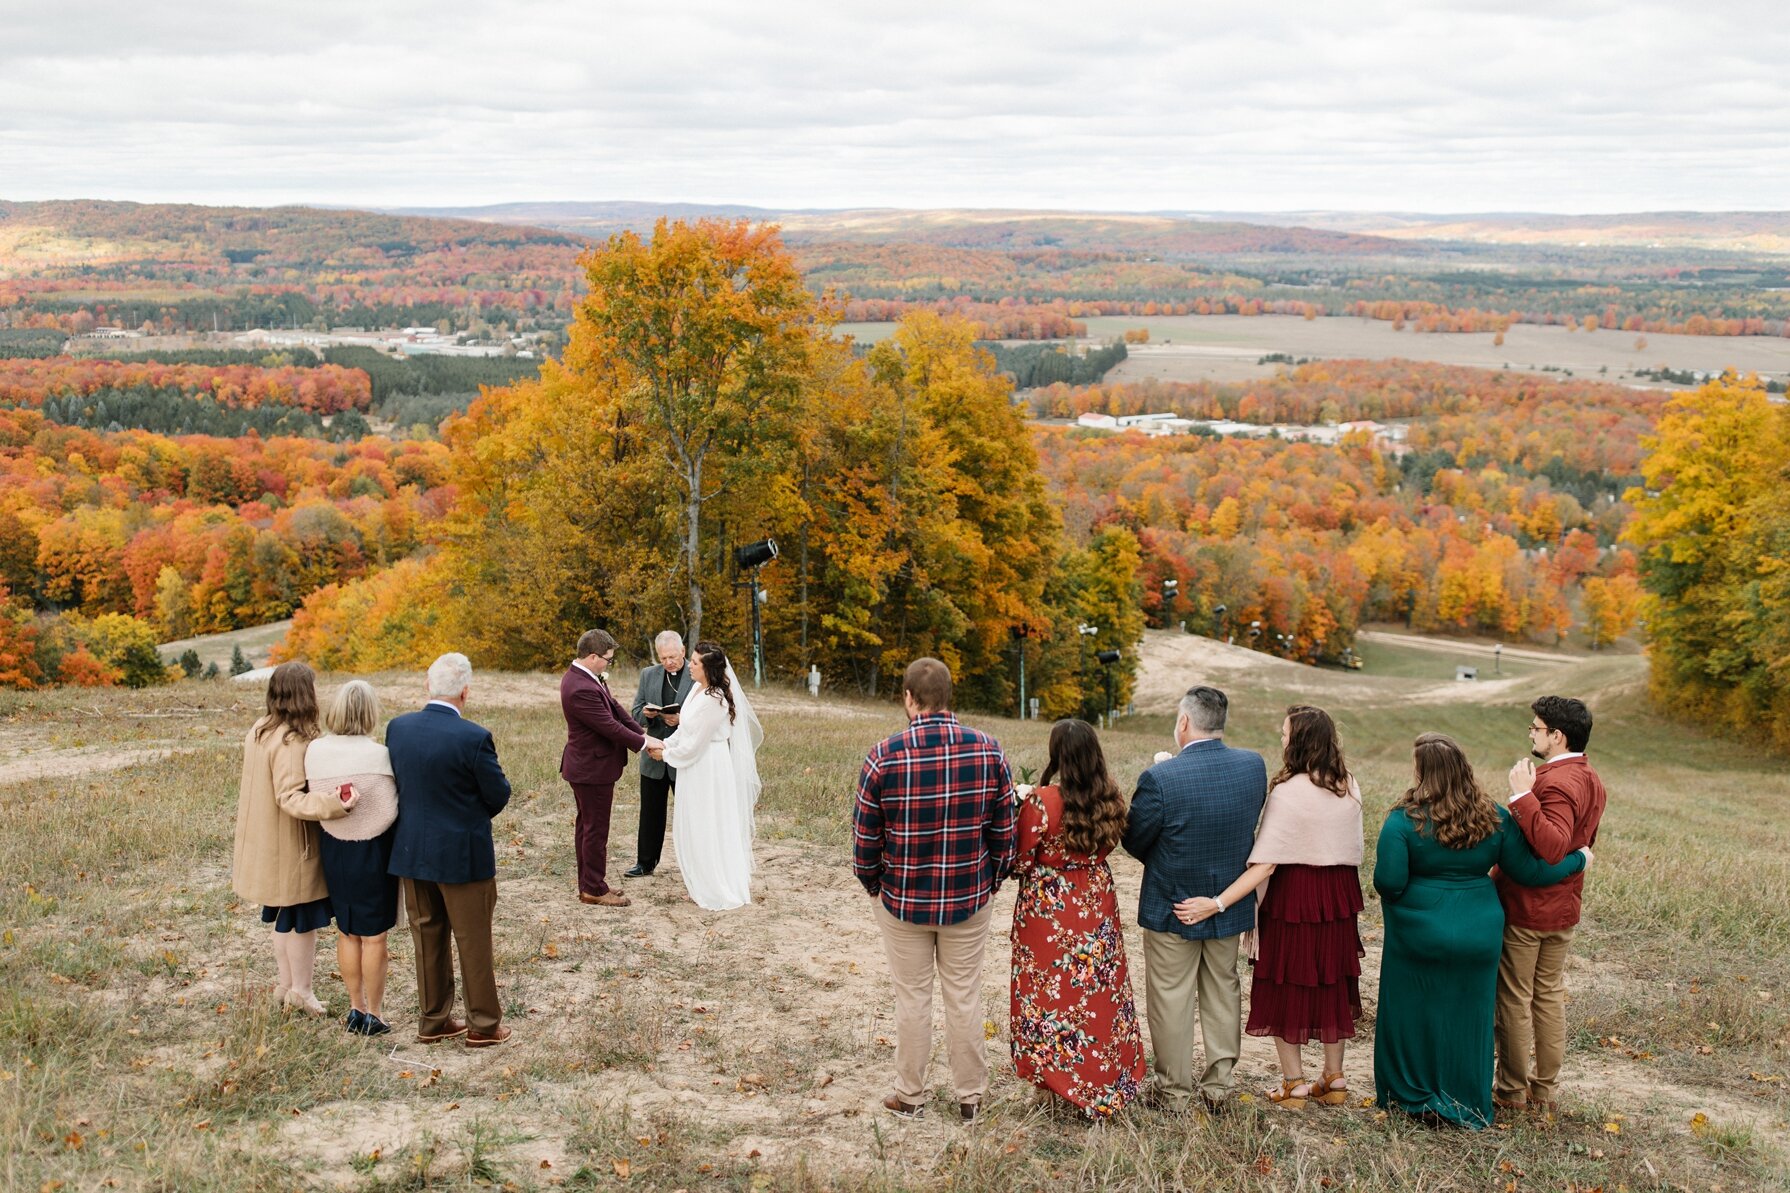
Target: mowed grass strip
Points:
(136, 1047)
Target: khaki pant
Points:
(1180, 977)
(459, 913)
(1531, 1012)
(955, 950)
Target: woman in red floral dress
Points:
(1074, 1023)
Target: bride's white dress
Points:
(717, 791)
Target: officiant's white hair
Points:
(450, 675)
(666, 638)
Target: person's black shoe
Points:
(637, 871)
(357, 1022)
(373, 1025)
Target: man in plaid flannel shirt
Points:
(933, 834)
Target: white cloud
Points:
(1428, 106)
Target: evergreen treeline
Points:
(1033, 365)
(298, 357)
(429, 374)
(173, 412)
(31, 341)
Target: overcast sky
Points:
(1568, 105)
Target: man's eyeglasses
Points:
(608, 658)
(1534, 728)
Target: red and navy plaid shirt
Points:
(934, 831)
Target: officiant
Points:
(663, 687)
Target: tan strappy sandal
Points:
(1286, 1099)
(1332, 1090)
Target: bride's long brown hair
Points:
(714, 673)
(1447, 802)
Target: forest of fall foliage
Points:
(916, 510)
(903, 486)
(1713, 531)
(187, 535)
(71, 266)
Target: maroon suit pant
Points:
(595, 802)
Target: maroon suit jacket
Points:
(1560, 815)
(599, 731)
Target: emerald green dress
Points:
(1439, 967)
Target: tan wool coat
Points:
(276, 862)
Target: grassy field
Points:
(664, 1047)
(1230, 347)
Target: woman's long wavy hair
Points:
(1093, 805)
(714, 673)
(291, 703)
(1313, 749)
(1447, 802)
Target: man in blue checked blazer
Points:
(1192, 825)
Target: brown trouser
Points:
(1180, 976)
(955, 950)
(460, 911)
(1531, 1012)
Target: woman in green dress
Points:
(1444, 932)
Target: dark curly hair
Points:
(1314, 749)
(714, 673)
(1093, 805)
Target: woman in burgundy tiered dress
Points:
(1074, 1023)
(1307, 983)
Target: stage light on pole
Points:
(1107, 658)
(753, 556)
(757, 554)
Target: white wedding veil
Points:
(742, 746)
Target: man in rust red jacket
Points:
(599, 735)
(1558, 806)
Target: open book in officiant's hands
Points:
(663, 710)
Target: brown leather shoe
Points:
(475, 1040)
(454, 1028)
(904, 1109)
(612, 899)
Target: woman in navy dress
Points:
(357, 849)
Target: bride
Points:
(715, 750)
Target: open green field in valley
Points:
(662, 1047)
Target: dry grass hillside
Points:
(663, 1047)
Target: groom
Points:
(599, 734)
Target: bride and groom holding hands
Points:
(700, 734)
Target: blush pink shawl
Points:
(1305, 825)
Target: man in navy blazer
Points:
(450, 785)
(599, 735)
(1192, 824)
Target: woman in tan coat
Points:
(277, 862)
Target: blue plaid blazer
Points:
(1192, 825)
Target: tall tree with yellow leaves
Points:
(1712, 526)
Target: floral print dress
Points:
(1074, 1022)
